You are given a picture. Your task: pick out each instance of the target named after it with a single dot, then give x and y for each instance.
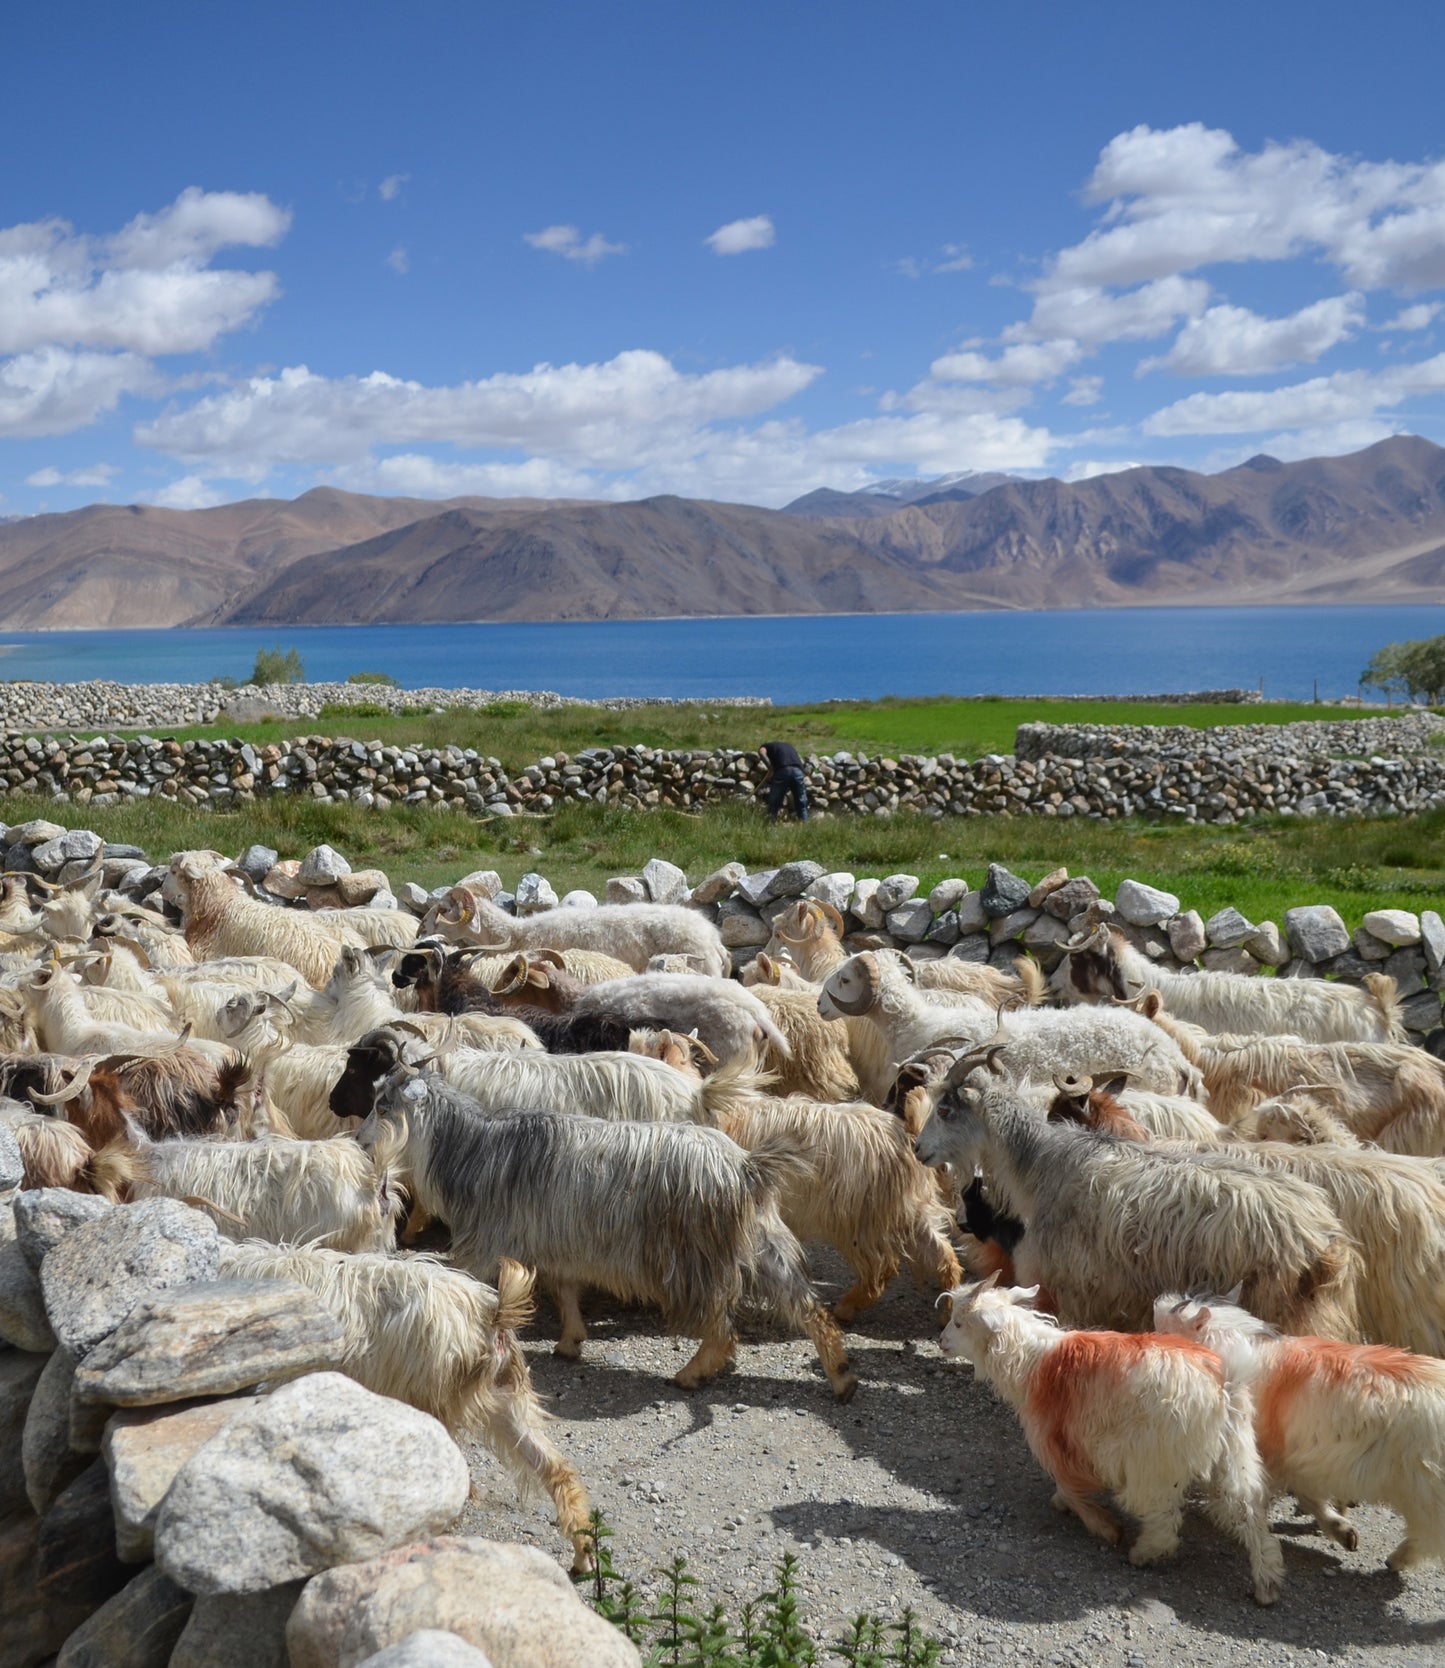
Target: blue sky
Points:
(734, 252)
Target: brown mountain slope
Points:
(1370, 527)
(656, 557)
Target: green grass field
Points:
(519, 735)
(1261, 868)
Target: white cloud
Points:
(568, 242)
(145, 290)
(1090, 469)
(190, 492)
(1343, 397)
(53, 391)
(417, 475)
(1084, 390)
(956, 258)
(96, 475)
(1418, 317)
(608, 413)
(390, 188)
(739, 236)
(1017, 366)
(1092, 315)
(1186, 197)
(399, 261)
(1233, 341)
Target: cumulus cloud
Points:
(1343, 397)
(1088, 469)
(1018, 366)
(568, 242)
(399, 261)
(53, 391)
(95, 475)
(390, 188)
(739, 236)
(190, 492)
(1233, 341)
(1093, 315)
(82, 315)
(1084, 390)
(1418, 317)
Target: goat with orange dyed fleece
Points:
(1335, 1422)
(1140, 1416)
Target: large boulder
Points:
(429, 1648)
(23, 1320)
(19, 1375)
(321, 1472)
(144, 1449)
(510, 1602)
(45, 1215)
(49, 1461)
(1316, 932)
(209, 1339)
(1144, 906)
(238, 1630)
(137, 1628)
(99, 1272)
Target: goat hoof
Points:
(569, 1349)
(846, 1388)
(1348, 1537)
(1267, 1591)
(583, 1562)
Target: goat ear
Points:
(1234, 1295)
(1151, 1004)
(1026, 1294)
(1116, 1085)
(989, 1283)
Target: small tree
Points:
(1416, 669)
(278, 666)
(383, 679)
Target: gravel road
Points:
(922, 1493)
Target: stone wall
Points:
(1195, 779)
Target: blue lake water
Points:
(799, 658)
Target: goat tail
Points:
(111, 1171)
(515, 1301)
(765, 1026)
(1386, 996)
(1329, 1290)
(1032, 984)
(729, 1088)
(776, 1160)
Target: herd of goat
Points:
(1203, 1215)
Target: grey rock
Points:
(33, 833)
(50, 1464)
(428, 1648)
(416, 899)
(720, 884)
(99, 1272)
(895, 890)
(18, 861)
(1072, 898)
(944, 930)
(486, 883)
(909, 922)
(1004, 928)
(511, 1602)
(1187, 936)
(1234, 960)
(45, 1215)
(258, 861)
(1045, 931)
(1226, 929)
(1267, 945)
(578, 898)
(794, 878)
(1044, 889)
(534, 894)
(971, 947)
(753, 888)
(319, 1473)
(665, 882)
(75, 845)
(1367, 947)
(1316, 932)
(137, 1628)
(864, 905)
(948, 894)
(322, 866)
(739, 925)
(76, 1560)
(12, 1163)
(1142, 905)
(1421, 1012)
(19, 1375)
(834, 889)
(238, 1630)
(1002, 893)
(626, 889)
(1398, 927)
(1432, 937)
(144, 1448)
(972, 917)
(209, 1339)
(23, 1320)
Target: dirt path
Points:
(922, 1493)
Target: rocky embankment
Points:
(187, 1479)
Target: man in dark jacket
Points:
(785, 776)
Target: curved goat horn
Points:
(76, 1086)
(1076, 1088)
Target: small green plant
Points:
(770, 1631)
(385, 679)
(356, 709)
(278, 666)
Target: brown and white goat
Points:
(1142, 1417)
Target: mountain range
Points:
(1369, 527)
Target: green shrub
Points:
(278, 666)
(383, 678)
(770, 1631)
(354, 709)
